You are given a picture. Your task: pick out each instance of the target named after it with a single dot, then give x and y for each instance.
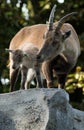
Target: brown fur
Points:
(35, 34)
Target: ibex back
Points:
(58, 46)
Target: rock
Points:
(39, 109)
(78, 120)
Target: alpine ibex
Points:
(60, 49)
(24, 58)
(58, 46)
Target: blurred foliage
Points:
(75, 80)
(75, 87)
(12, 19)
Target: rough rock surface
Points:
(39, 109)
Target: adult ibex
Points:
(60, 49)
(58, 44)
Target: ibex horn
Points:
(63, 19)
(50, 26)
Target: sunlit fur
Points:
(69, 49)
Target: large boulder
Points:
(39, 109)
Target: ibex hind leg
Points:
(61, 80)
(30, 76)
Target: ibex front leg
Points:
(24, 71)
(47, 71)
(38, 76)
(13, 77)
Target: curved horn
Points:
(51, 17)
(62, 20)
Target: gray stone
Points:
(39, 109)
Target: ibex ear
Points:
(66, 35)
(8, 50)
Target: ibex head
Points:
(53, 38)
(17, 57)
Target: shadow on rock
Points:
(60, 117)
(6, 123)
